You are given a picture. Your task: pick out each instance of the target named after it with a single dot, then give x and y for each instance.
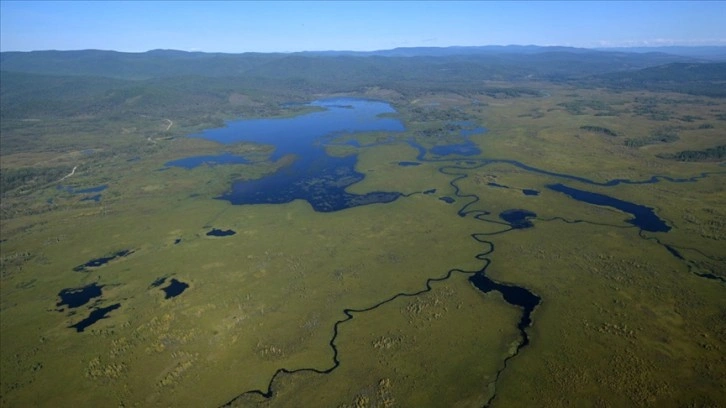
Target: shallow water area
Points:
(212, 160)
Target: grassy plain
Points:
(622, 321)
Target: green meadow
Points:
(370, 306)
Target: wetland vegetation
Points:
(491, 228)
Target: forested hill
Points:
(51, 83)
(699, 79)
(492, 62)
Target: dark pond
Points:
(96, 315)
(408, 164)
(220, 233)
(447, 200)
(432, 191)
(76, 297)
(94, 263)
(194, 161)
(643, 217)
(309, 173)
(518, 219)
(530, 192)
(513, 295)
(174, 289)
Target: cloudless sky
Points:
(274, 26)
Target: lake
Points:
(309, 172)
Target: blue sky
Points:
(274, 26)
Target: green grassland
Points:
(622, 321)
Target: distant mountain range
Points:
(681, 69)
(492, 62)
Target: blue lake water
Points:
(308, 173)
(298, 135)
